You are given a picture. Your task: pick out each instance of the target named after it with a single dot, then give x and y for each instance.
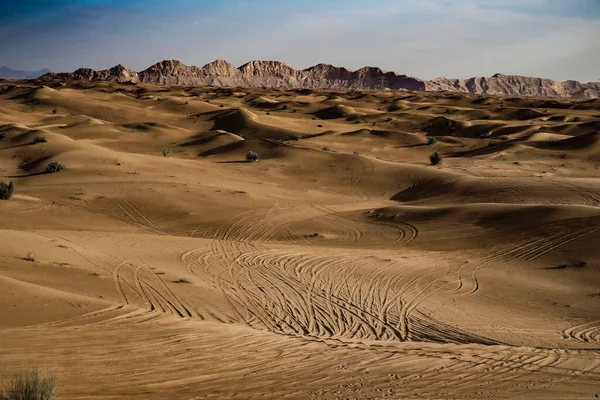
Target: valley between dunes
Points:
(340, 265)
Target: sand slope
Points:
(340, 265)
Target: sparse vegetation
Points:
(166, 151)
(356, 153)
(30, 256)
(39, 139)
(54, 111)
(431, 140)
(54, 166)
(252, 156)
(182, 280)
(3, 134)
(326, 148)
(435, 158)
(297, 137)
(319, 126)
(30, 385)
(6, 190)
(492, 143)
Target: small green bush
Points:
(39, 139)
(54, 166)
(3, 134)
(326, 148)
(6, 190)
(435, 158)
(252, 156)
(431, 140)
(30, 385)
(166, 152)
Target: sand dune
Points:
(341, 264)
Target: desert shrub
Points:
(485, 135)
(319, 126)
(492, 143)
(54, 111)
(166, 152)
(431, 140)
(6, 190)
(576, 119)
(54, 166)
(39, 139)
(297, 137)
(252, 156)
(182, 280)
(504, 137)
(221, 106)
(356, 153)
(3, 134)
(435, 158)
(30, 256)
(326, 148)
(268, 113)
(30, 385)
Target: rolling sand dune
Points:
(339, 265)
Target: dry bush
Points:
(30, 384)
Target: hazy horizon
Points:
(427, 39)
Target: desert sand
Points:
(340, 265)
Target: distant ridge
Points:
(326, 76)
(8, 73)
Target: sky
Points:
(556, 39)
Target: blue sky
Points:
(556, 39)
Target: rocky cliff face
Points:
(517, 86)
(326, 76)
(118, 73)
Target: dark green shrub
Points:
(3, 134)
(435, 158)
(6, 190)
(39, 139)
(54, 166)
(431, 140)
(166, 152)
(252, 156)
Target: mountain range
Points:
(325, 76)
(8, 73)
